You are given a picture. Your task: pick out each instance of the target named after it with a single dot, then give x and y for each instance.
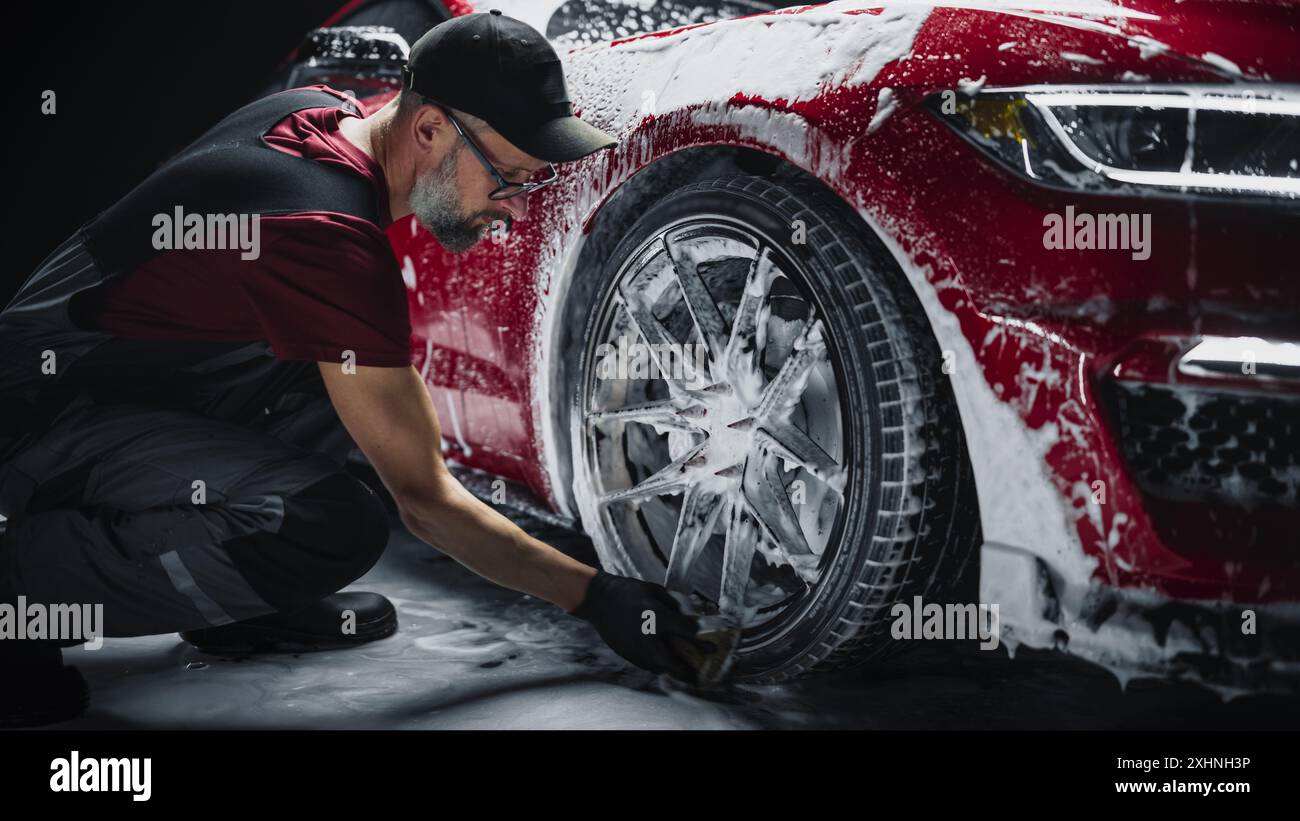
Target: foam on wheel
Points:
(809, 471)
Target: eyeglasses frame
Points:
(515, 188)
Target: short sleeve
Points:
(328, 284)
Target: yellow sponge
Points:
(711, 666)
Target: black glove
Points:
(615, 606)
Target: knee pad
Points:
(332, 532)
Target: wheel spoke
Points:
(700, 511)
(671, 478)
(737, 559)
(771, 506)
(703, 309)
(661, 343)
(748, 330)
(661, 414)
(786, 440)
(785, 389)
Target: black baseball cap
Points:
(503, 71)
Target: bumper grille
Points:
(1190, 443)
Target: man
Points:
(178, 410)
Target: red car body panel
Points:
(1035, 333)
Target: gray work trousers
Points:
(173, 520)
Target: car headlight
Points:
(1217, 141)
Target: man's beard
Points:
(436, 203)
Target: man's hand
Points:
(624, 611)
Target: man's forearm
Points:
(488, 543)
(390, 416)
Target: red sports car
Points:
(993, 289)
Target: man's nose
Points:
(517, 206)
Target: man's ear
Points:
(430, 124)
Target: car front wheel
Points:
(762, 423)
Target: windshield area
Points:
(581, 22)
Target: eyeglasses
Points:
(505, 189)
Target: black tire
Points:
(911, 517)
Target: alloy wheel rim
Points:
(719, 466)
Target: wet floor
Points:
(469, 655)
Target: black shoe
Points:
(319, 626)
(36, 687)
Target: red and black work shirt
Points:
(324, 282)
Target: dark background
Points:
(135, 81)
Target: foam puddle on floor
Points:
(470, 655)
(467, 655)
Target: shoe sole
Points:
(281, 641)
